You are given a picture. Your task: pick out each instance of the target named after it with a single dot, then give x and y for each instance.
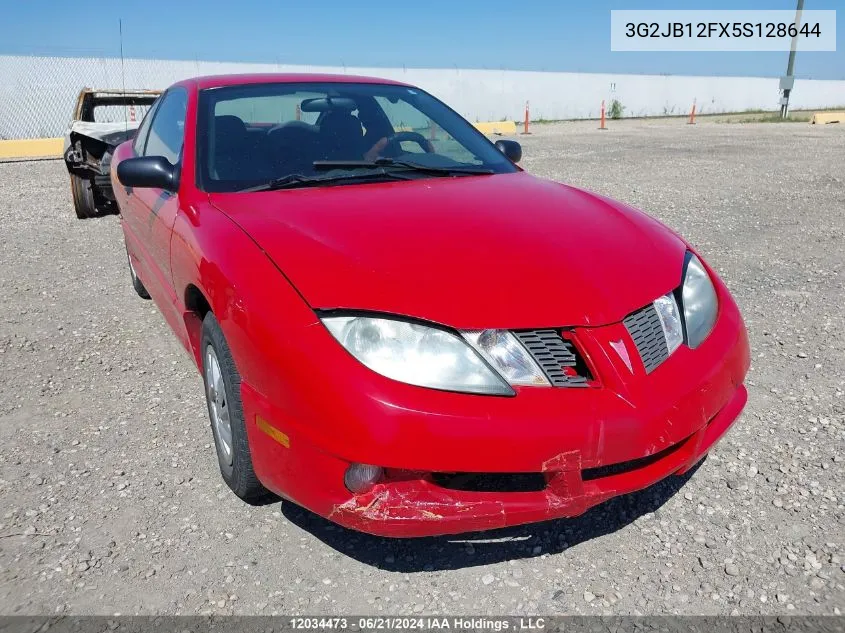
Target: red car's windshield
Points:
(253, 134)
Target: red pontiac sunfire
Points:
(401, 330)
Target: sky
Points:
(545, 35)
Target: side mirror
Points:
(148, 171)
(511, 149)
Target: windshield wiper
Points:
(404, 164)
(384, 168)
(293, 181)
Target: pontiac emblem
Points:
(619, 348)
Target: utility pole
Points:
(788, 81)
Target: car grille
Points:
(557, 357)
(644, 327)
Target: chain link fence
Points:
(38, 94)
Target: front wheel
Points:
(83, 197)
(223, 396)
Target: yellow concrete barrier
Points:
(495, 127)
(828, 117)
(31, 148)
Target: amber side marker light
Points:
(264, 426)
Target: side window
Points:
(167, 132)
(144, 129)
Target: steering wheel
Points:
(393, 143)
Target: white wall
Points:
(37, 94)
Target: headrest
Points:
(229, 124)
(341, 124)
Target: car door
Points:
(127, 201)
(156, 209)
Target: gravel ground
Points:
(111, 501)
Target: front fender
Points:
(258, 309)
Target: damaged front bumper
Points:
(584, 445)
(422, 508)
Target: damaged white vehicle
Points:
(102, 120)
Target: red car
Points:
(401, 330)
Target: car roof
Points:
(217, 81)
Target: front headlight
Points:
(670, 320)
(699, 301)
(416, 354)
(504, 352)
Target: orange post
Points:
(527, 118)
(602, 126)
(692, 114)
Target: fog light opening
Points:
(361, 477)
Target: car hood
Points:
(500, 251)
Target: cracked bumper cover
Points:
(420, 508)
(671, 416)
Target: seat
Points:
(231, 148)
(291, 148)
(341, 136)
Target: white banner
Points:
(731, 30)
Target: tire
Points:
(136, 283)
(218, 368)
(83, 198)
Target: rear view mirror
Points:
(148, 171)
(327, 104)
(511, 149)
